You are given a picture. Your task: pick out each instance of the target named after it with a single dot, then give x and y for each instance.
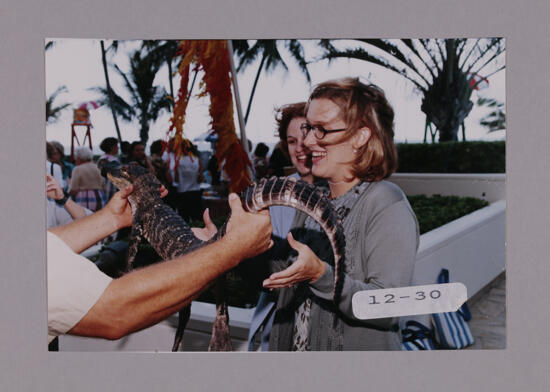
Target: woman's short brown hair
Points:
(50, 150)
(284, 115)
(364, 105)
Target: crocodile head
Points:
(123, 175)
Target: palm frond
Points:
(240, 46)
(53, 112)
(496, 119)
(297, 51)
(410, 44)
(159, 102)
(425, 43)
(273, 56)
(119, 105)
(249, 56)
(395, 52)
(460, 48)
(442, 53)
(361, 54)
(494, 48)
(129, 86)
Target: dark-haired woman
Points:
(260, 160)
(109, 146)
(349, 134)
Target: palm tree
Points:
(109, 90)
(496, 119)
(444, 71)
(53, 112)
(146, 100)
(271, 59)
(164, 52)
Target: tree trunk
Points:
(448, 134)
(110, 92)
(144, 131)
(254, 89)
(172, 101)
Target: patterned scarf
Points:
(309, 312)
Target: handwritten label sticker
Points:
(408, 301)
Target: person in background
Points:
(137, 154)
(169, 157)
(87, 185)
(213, 169)
(66, 166)
(160, 166)
(260, 160)
(349, 133)
(278, 161)
(125, 152)
(189, 177)
(289, 118)
(60, 208)
(54, 169)
(109, 146)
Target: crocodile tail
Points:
(288, 191)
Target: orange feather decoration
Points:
(213, 59)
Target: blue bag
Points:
(416, 336)
(451, 329)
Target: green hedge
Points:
(437, 210)
(452, 157)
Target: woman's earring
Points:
(355, 151)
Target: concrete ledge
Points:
(472, 248)
(490, 187)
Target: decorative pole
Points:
(244, 140)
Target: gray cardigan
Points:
(382, 238)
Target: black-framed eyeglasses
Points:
(318, 131)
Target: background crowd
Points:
(83, 176)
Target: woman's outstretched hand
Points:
(307, 267)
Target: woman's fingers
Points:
(277, 284)
(288, 272)
(284, 278)
(296, 245)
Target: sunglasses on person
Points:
(318, 131)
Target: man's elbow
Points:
(119, 326)
(103, 330)
(109, 325)
(114, 332)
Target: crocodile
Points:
(171, 236)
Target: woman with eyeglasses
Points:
(289, 118)
(349, 134)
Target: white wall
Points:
(472, 248)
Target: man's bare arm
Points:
(55, 192)
(149, 295)
(85, 232)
